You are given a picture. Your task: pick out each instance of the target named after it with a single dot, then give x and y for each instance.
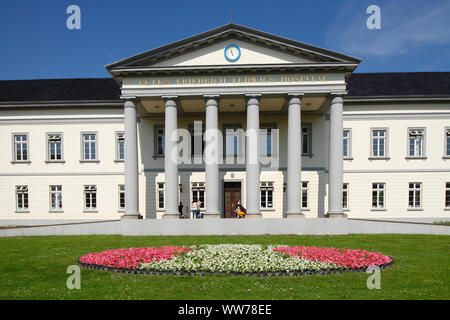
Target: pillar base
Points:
(336, 215)
(211, 215)
(171, 216)
(131, 216)
(294, 215)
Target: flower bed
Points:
(234, 259)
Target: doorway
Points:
(232, 193)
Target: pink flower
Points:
(131, 258)
(347, 258)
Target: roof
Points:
(398, 84)
(59, 90)
(106, 89)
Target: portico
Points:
(185, 80)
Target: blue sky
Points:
(36, 44)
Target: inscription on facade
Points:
(234, 79)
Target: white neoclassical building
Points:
(328, 143)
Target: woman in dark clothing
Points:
(240, 210)
(180, 209)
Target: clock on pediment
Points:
(232, 52)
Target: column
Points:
(252, 154)
(131, 163)
(212, 157)
(171, 158)
(335, 166)
(294, 158)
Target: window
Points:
(379, 143)
(54, 147)
(120, 146)
(415, 195)
(160, 195)
(447, 195)
(304, 195)
(346, 143)
(266, 195)
(416, 142)
(266, 144)
(56, 198)
(200, 138)
(447, 142)
(90, 197)
(159, 141)
(20, 147)
(89, 146)
(378, 195)
(198, 192)
(233, 141)
(345, 195)
(121, 197)
(306, 139)
(22, 198)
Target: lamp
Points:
(284, 187)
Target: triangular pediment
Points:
(250, 53)
(257, 49)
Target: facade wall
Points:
(398, 170)
(72, 174)
(360, 172)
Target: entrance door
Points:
(232, 193)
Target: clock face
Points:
(232, 52)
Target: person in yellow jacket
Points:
(240, 210)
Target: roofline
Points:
(240, 28)
(61, 103)
(233, 67)
(399, 98)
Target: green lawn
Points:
(35, 268)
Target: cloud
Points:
(405, 26)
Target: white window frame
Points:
(21, 191)
(304, 187)
(56, 192)
(121, 195)
(267, 189)
(192, 133)
(160, 191)
(346, 196)
(53, 136)
(120, 138)
(94, 142)
(446, 143)
(235, 131)
(416, 132)
(88, 191)
(379, 138)
(14, 147)
(347, 138)
(447, 196)
(158, 132)
(378, 189)
(415, 189)
(197, 188)
(266, 134)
